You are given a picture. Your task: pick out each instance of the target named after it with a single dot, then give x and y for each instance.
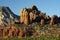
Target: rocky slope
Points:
(7, 16)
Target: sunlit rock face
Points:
(27, 15)
(7, 16)
(24, 16)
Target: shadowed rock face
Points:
(54, 20)
(7, 16)
(42, 22)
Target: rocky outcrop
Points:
(7, 16)
(32, 14)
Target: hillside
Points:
(31, 23)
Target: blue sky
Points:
(51, 7)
